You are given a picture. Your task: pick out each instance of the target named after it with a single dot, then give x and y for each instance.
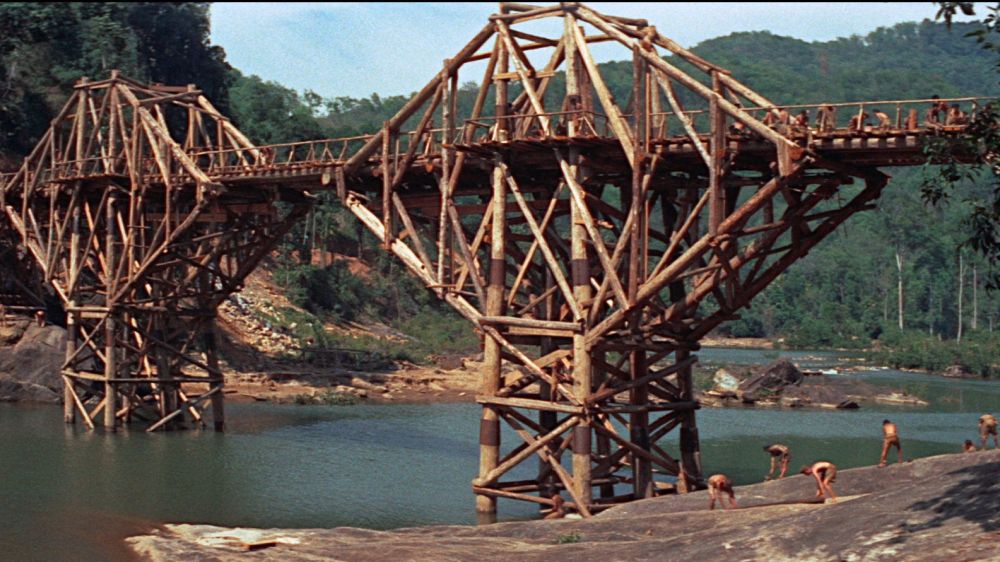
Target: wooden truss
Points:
(590, 258)
(140, 246)
(592, 243)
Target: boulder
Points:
(958, 370)
(792, 402)
(449, 362)
(12, 390)
(725, 381)
(11, 331)
(817, 391)
(771, 379)
(33, 364)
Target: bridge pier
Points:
(593, 258)
(142, 246)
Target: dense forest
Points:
(899, 276)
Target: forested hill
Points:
(906, 61)
(847, 292)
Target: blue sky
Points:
(355, 49)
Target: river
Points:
(71, 493)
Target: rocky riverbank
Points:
(31, 356)
(30, 360)
(782, 384)
(939, 508)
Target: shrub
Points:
(568, 538)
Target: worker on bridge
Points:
(883, 120)
(858, 122)
(826, 118)
(800, 124)
(935, 113)
(956, 116)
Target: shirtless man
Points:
(969, 447)
(882, 118)
(858, 122)
(987, 427)
(801, 122)
(937, 110)
(825, 474)
(826, 119)
(890, 437)
(717, 485)
(955, 116)
(778, 453)
(558, 508)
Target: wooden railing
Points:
(843, 118)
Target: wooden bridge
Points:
(591, 243)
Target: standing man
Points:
(717, 485)
(826, 119)
(890, 437)
(883, 120)
(987, 427)
(779, 453)
(825, 474)
(935, 113)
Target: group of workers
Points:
(825, 472)
(937, 115)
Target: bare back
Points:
(889, 430)
(822, 468)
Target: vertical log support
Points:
(603, 442)
(638, 395)
(580, 273)
(582, 368)
(690, 476)
(69, 412)
(387, 186)
(717, 195)
(489, 431)
(448, 119)
(212, 360)
(79, 122)
(547, 419)
(500, 84)
(110, 349)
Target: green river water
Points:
(67, 493)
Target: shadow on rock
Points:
(974, 496)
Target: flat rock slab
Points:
(939, 508)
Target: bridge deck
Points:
(894, 147)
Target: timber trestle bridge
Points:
(591, 242)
